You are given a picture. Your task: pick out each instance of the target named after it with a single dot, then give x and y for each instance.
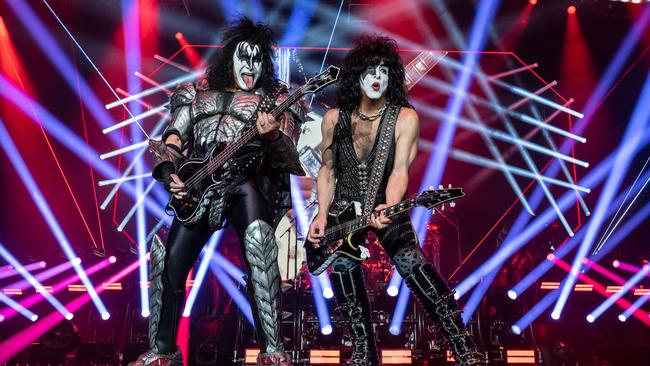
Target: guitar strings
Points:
(221, 158)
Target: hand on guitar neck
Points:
(378, 219)
(268, 126)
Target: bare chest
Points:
(364, 134)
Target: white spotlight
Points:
(512, 294)
(145, 313)
(106, 315)
(326, 330)
(516, 329)
(34, 317)
(591, 318)
(392, 291)
(69, 316)
(622, 317)
(328, 293)
(555, 315)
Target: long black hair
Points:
(220, 75)
(371, 50)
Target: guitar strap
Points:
(385, 134)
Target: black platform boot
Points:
(352, 299)
(437, 301)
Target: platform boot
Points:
(437, 301)
(352, 300)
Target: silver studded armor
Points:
(204, 118)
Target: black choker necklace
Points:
(371, 117)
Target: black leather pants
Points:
(182, 250)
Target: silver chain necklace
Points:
(371, 117)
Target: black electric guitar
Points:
(203, 178)
(345, 231)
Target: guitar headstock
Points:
(434, 197)
(325, 78)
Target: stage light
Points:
(10, 271)
(555, 315)
(630, 144)
(512, 294)
(326, 285)
(326, 330)
(240, 300)
(550, 257)
(520, 357)
(324, 357)
(235, 272)
(396, 357)
(616, 263)
(206, 258)
(591, 318)
(18, 308)
(328, 293)
(622, 317)
(322, 310)
(133, 119)
(532, 2)
(145, 313)
(20, 340)
(394, 330)
(515, 329)
(4, 253)
(70, 140)
(62, 285)
(392, 291)
(69, 316)
(571, 9)
(46, 42)
(250, 356)
(179, 35)
(112, 259)
(182, 79)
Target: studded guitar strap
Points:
(379, 166)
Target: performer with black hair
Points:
(253, 190)
(372, 93)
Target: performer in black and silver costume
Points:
(254, 189)
(371, 84)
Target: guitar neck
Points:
(339, 231)
(251, 133)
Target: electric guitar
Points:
(203, 178)
(346, 228)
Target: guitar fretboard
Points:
(339, 231)
(420, 66)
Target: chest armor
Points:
(221, 117)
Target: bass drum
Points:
(285, 237)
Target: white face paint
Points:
(374, 81)
(247, 65)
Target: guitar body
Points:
(187, 208)
(318, 259)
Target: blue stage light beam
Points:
(37, 196)
(321, 306)
(57, 129)
(630, 144)
(397, 320)
(301, 15)
(131, 26)
(235, 272)
(74, 40)
(613, 69)
(634, 307)
(53, 52)
(614, 223)
(563, 250)
(596, 313)
(637, 219)
(16, 306)
(596, 175)
(240, 300)
(35, 283)
(206, 258)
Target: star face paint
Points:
(247, 65)
(374, 81)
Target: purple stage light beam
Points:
(37, 196)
